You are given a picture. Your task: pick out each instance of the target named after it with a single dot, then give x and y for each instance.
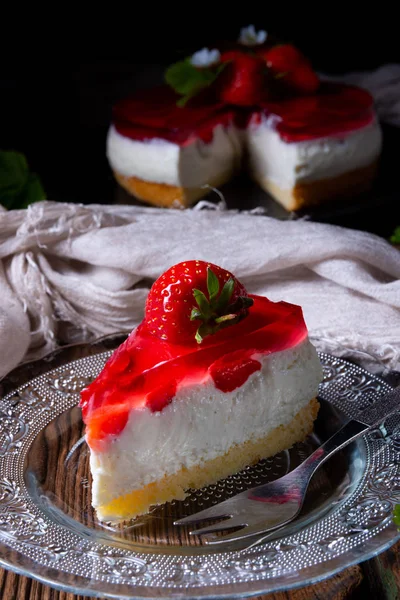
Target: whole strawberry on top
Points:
(243, 80)
(286, 63)
(194, 299)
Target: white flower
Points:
(205, 58)
(250, 37)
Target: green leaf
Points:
(182, 101)
(196, 314)
(395, 237)
(240, 303)
(33, 192)
(225, 295)
(180, 76)
(198, 336)
(212, 284)
(183, 77)
(203, 331)
(202, 303)
(226, 318)
(14, 173)
(396, 515)
(18, 186)
(246, 301)
(187, 80)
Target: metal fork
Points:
(265, 508)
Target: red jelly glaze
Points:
(231, 371)
(335, 109)
(146, 371)
(159, 398)
(153, 113)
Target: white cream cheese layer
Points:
(202, 423)
(285, 164)
(159, 161)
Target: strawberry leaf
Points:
(202, 332)
(240, 303)
(202, 303)
(225, 295)
(196, 314)
(246, 301)
(225, 318)
(217, 312)
(212, 284)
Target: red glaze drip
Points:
(231, 371)
(153, 113)
(146, 371)
(159, 398)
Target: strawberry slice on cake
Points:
(212, 380)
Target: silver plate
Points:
(48, 530)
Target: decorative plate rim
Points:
(369, 389)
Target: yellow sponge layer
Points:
(175, 486)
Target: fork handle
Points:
(347, 434)
(370, 417)
(300, 477)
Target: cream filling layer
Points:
(286, 164)
(270, 158)
(191, 166)
(202, 423)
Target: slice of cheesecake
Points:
(171, 156)
(207, 384)
(307, 150)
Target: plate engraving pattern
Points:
(363, 520)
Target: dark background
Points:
(62, 75)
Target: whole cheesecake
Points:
(212, 380)
(262, 109)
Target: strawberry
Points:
(109, 420)
(194, 299)
(293, 69)
(242, 81)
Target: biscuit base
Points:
(168, 196)
(312, 193)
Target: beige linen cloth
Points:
(71, 272)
